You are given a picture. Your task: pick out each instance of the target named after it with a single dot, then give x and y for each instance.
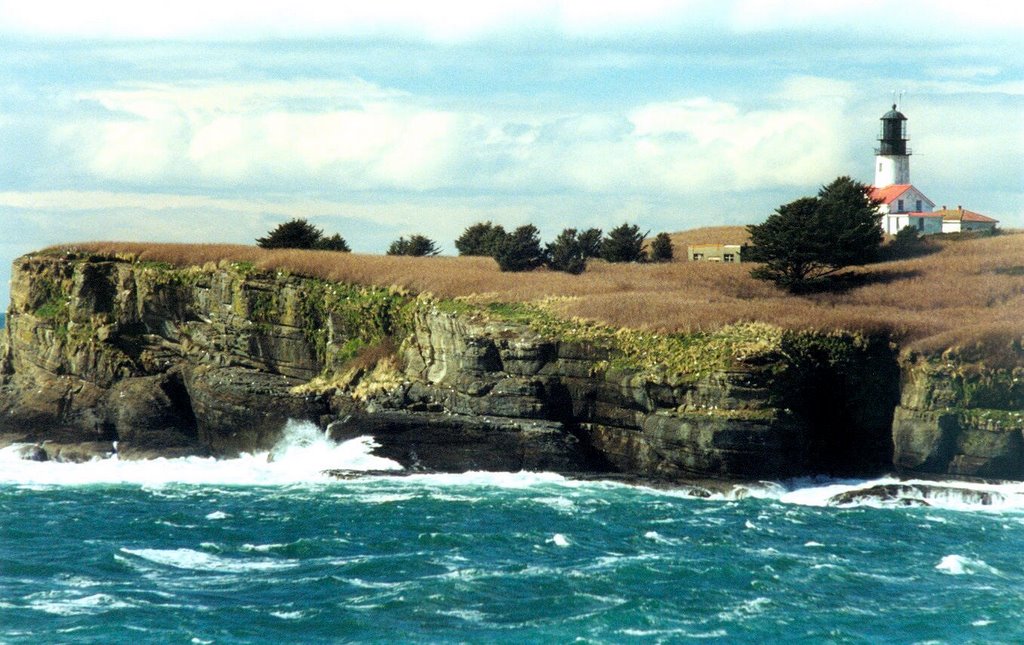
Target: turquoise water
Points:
(248, 551)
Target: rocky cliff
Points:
(104, 354)
(960, 415)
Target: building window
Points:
(899, 205)
(879, 166)
(920, 223)
(728, 257)
(698, 256)
(919, 206)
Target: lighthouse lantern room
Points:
(892, 157)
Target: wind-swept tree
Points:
(624, 243)
(566, 253)
(300, 234)
(333, 243)
(811, 238)
(661, 248)
(520, 250)
(482, 238)
(590, 242)
(417, 245)
(295, 234)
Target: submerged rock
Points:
(31, 452)
(916, 494)
(78, 452)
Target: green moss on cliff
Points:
(339, 320)
(672, 358)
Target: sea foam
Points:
(959, 565)
(301, 456)
(200, 561)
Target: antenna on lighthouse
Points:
(899, 101)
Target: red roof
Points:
(888, 194)
(960, 214)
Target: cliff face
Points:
(767, 412)
(958, 416)
(214, 360)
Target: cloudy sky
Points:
(215, 121)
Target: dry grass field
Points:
(968, 292)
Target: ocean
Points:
(267, 549)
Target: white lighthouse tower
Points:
(892, 157)
(899, 202)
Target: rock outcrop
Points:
(103, 354)
(960, 417)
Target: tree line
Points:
(518, 250)
(800, 247)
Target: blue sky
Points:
(214, 121)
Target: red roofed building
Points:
(957, 220)
(903, 205)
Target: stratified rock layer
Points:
(149, 360)
(957, 416)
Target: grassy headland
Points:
(967, 293)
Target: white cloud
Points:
(911, 19)
(355, 136)
(460, 21)
(964, 71)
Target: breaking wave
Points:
(301, 456)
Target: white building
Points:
(959, 219)
(903, 205)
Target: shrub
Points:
(624, 243)
(416, 245)
(333, 243)
(520, 250)
(661, 248)
(300, 234)
(482, 238)
(296, 234)
(566, 253)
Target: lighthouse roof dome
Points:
(894, 114)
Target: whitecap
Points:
(491, 479)
(217, 515)
(262, 548)
(385, 498)
(61, 604)
(288, 615)
(648, 633)
(200, 561)
(562, 504)
(79, 582)
(745, 609)
(558, 540)
(958, 565)
(468, 615)
(654, 536)
(813, 543)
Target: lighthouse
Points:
(900, 203)
(892, 157)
